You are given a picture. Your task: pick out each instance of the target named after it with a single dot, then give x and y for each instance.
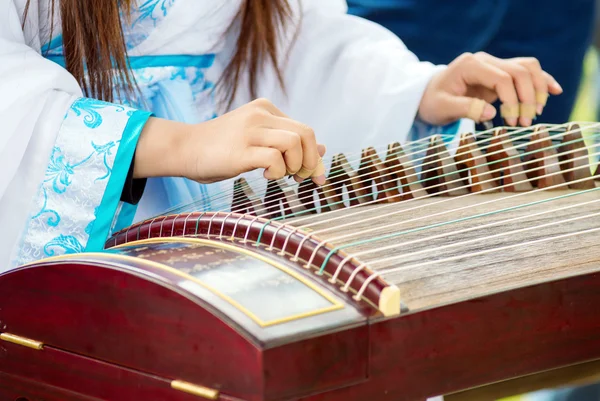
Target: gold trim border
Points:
(336, 304)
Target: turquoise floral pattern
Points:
(78, 174)
(145, 16)
(106, 152)
(90, 109)
(54, 218)
(90, 226)
(60, 171)
(153, 10)
(66, 244)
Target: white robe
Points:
(64, 158)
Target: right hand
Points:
(256, 135)
(472, 82)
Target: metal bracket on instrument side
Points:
(194, 389)
(22, 341)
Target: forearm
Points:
(158, 152)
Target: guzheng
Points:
(422, 272)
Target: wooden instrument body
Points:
(245, 308)
(121, 328)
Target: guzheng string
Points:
(379, 208)
(486, 251)
(445, 223)
(405, 244)
(473, 193)
(480, 239)
(392, 180)
(372, 263)
(414, 160)
(468, 255)
(223, 196)
(450, 211)
(369, 241)
(303, 195)
(221, 199)
(553, 128)
(526, 131)
(324, 221)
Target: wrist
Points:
(429, 110)
(159, 149)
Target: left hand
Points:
(472, 82)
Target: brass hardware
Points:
(194, 389)
(25, 342)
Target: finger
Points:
(478, 110)
(458, 107)
(268, 106)
(286, 142)
(553, 86)
(523, 82)
(539, 81)
(310, 153)
(322, 149)
(270, 159)
(491, 77)
(319, 174)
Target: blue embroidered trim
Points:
(177, 60)
(78, 173)
(100, 228)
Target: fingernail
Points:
(298, 179)
(489, 112)
(557, 85)
(539, 109)
(320, 180)
(511, 121)
(525, 121)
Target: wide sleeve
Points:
(350, 79)
(64, 158)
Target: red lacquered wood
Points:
(110, 315)
(287, 367)
(420, 354)
(223, 226)
(575, 158)
(14, 388)
(76, 374)
(439, 171)
(506, 164)
(471, 163)
(136, 323)
(481, 341)
(400, 164)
